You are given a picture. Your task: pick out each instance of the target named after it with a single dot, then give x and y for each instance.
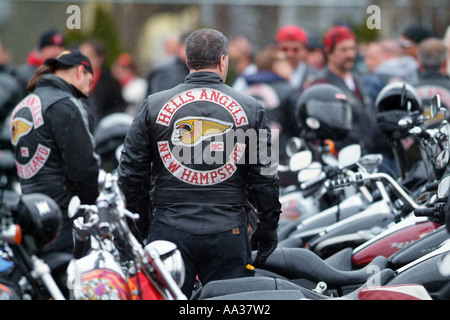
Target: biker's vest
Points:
(39, 165)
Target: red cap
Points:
(292, 33)
(336, 34)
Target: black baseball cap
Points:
(51, 37)
(417, 33)
(71, 58)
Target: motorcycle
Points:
(425, 278)
(413, 227)
(314, 176)
(341, 234)
(26, 230)
(109, 262)
(409, 229)
(311, 166)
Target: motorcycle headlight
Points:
(170, 257)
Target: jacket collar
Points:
(432, 74)
(51, 80)
(202, 77)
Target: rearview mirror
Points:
(443, 187)
(74, 204)
(349, 155)
(435, 106)
(310, 172)
(300, 160)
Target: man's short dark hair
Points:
(204, 47)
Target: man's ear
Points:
(80, 71)
(223, 63)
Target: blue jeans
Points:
(222, 255)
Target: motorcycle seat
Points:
(299, 263)
(260, 288)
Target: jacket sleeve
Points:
(262, 177)
(70, 129)
(135, 163)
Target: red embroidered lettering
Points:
(173, 166)
(203, 95)
(194, 178)
(215, 95)
(213, 176)
(204, 178)
(164, 118)
(190, 96)
(186, 174)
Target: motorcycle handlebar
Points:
(426, 134)
(432, 186)
(424, 212)
(360, 178)
(438, 212)
(314, 181)
(104, 218)
(340, 182)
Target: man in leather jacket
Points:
(54, 148)
(199, 140)
(432, 54)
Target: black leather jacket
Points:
(203, 173)
(53, 144)
(432, 82)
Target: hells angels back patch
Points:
(27, 116)
(191, 131)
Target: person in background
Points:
(411, 38)
(200, 204)
(51, 44)
(270, 85)
(395, 65)
(52, 138)
(384, 63)
(171, 45)
(432, 54)
(374, 56)
(409, 42)
(171, 72)
(134, 88)
(340, 48)
(315, 57)
(242, 61)
(10, 89)
(106, 94)
(5, 60)
(293, 41)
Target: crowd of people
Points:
(311, 59)
(418, 57)
(54, 144)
